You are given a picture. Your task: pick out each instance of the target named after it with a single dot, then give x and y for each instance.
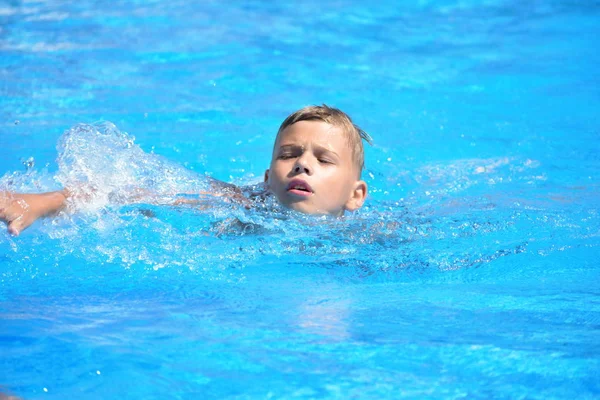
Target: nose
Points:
(302, 166)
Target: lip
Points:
(295, 183)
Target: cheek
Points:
(276, 177)
(336, 179)
(340, 185)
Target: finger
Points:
(18, 225)
(7, 215)
(13, 230)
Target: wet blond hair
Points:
(339, 119)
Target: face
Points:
(312, 170)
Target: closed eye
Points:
(287, 152)
(325, 161)
(326, 157)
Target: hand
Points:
(19, 211)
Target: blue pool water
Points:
(472, 272)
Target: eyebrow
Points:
(317, 147)
(290, 146)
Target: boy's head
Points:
(317, 161)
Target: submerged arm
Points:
(225, 191)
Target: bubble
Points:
(29, 163)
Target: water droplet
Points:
(28, 163)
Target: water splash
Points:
(103, 166)
(117, 221)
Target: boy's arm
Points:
(217, 189)
(19, 211)
(224, 190)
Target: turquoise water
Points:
(472, 272)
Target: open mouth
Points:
(299, 187)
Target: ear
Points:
(357, 197)
(267, 176)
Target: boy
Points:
(315, 168)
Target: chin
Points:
(311, 209)
(303, 208)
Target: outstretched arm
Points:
(19, 211)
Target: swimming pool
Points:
(471, 273)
